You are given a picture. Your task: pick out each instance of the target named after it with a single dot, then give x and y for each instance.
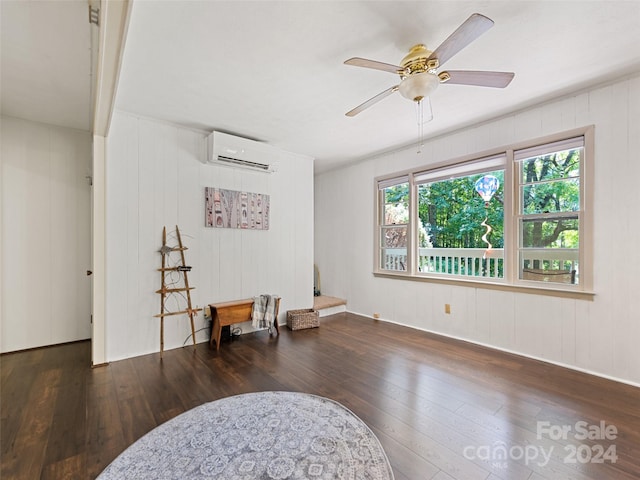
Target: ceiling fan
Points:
(418, 70)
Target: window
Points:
(515, 217)
(394, 224)
(549, 211)
(458, 231)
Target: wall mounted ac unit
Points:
(231, 151)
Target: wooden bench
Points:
(228, 313)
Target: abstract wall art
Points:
(233, 209)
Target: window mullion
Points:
(511, 206)
(412, 243)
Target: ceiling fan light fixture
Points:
(418, 86)
(418, 69)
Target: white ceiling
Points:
(46, 62)
(273, 71)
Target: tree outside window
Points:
(395, 222)
(550, 209)
(452, 213)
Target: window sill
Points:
(530, 289)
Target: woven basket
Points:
(300, 319)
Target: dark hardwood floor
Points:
(442, 409)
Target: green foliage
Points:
(397, 194)
(396, 212)
(551, 185)
(452, 212)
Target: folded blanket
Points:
(263, 313)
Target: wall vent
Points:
(236, 162)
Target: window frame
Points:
(381, 185)
(520, 156)
(478, 166)
(511, 267)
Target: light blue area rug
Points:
(265, 435)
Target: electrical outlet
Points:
(447, 308)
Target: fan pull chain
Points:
(420, 117)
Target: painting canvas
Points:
(233, 209)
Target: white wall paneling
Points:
(599, 335)
(46, 234)
(156, 175)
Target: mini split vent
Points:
(236, 162)
(231, 151)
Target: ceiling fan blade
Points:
(371, 101)
(480, 79)
(466, 33)
(363, 62)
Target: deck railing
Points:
(470, 262)
(479, 262)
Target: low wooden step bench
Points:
(326, 305)
(228, 313)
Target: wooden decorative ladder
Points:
(164, 291)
